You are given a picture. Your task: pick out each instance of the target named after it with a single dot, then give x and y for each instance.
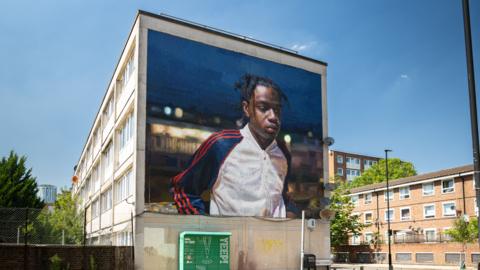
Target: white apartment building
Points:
(173, 87)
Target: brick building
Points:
(347, 165)
(422, 207)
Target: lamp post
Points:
(473, 101)
(390, 266)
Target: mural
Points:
(190, 95)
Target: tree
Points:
(464, 232)
(343, 223)
(376, 174)
(18, 188)
(64, 217)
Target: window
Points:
(379, 257)
(122, 187)
(404, 193)
(108, 159)
(405, 214)
(124, 238)
(403, 257)
(368, 198)
(108, 111)
(106, 200)
(126, 132)
(88, 186)
(95, 208)
(339, 159)
(475, 258)
(389, 215)
(355, 239)
(424, 257)
(129, 68)
(353, 160)
(352, 174)
(95, 179)
(369, 237)
(428, 189)
(453, 258)
(368, 163)
(368, 217)
(429, 211)
(340, 171)
(449, 209)
(448, 186)
(430, 235)
(354, 199)
(388, 196)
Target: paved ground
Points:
(353, 266)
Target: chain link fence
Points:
(38, 226)
(38, 239)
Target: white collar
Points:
(245, 131)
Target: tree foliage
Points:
(463, 231)
(344, 223)
(64, 217)
(376, 174)
(18, 188)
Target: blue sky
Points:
(396, 75)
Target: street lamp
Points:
(390, 266)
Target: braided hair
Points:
(248, 82)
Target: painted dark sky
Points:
(200, 78)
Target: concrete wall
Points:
(256, 243)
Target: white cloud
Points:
(302, 47)
(404, 76)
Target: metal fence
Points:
(37, 239)
(421, 238)
(35, 226)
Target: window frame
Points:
(409, 214)
(433, 188)
(434, 211)
(365, 198)
(453, 186)
(400, 193)
(434, 234)
(365, 217)
(385, 197)
(355, 203)
(392, 217)
(443, 209)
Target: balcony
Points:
(421, 238)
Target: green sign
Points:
(204, 250)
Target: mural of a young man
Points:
(245, 170)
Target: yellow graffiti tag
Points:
(269, 245)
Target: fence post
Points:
(25, 241)
(63, 237)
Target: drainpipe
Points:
(463, 194)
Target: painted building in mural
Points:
(172, 88)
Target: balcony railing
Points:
(421, 238)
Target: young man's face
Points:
(263, 110)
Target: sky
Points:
(396, 75)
